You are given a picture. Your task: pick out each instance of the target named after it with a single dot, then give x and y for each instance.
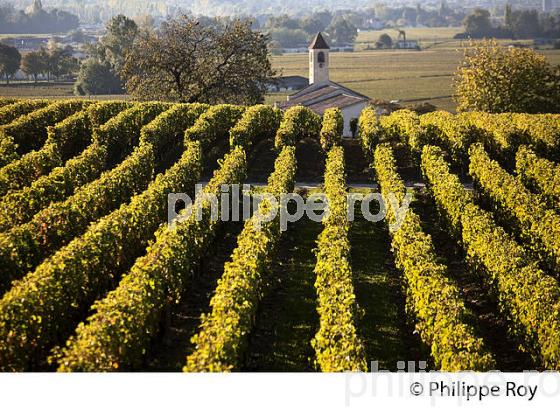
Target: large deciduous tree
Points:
(10, 59)
(187, 61)
(96, 78)
(499, 79)
(34, 63)
(342, 31)
(477, 24)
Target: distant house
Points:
(345, 48)
(289, 83)
(290, 50)
(322, 93)
(407, 45)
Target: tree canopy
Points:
(10, 59)
(187, 61)
(499, 79)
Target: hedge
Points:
(404, 126)
(43, 308)
(298, 123)
(19, 206)
(453, 132)
(12, 112)
(527, 296)
(524, 211)
(29, 131)
(210, 126)
(336, 343)
(332, 129)
(223, 334)
(433, 298)
(540, 174)
(369, 129)
(542, 132)
(23, 247)
(258, 123)
(168, 128)
(117, 335)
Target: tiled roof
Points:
(319, 98)
(340, 101)
(319, 43)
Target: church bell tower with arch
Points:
(319, 60)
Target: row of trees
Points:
(184, 60)
(52, 61)
(520, 24)
(37, 20)
(341, 27)
(288, 32)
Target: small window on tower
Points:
(321, 57)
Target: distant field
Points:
(47, 90)
(407, 75)
(414, 33)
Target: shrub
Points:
(337, 346)
(433, 298)
(332, 129)
(259, 122)
(298, 123)
(539, 173)
(116, 336)
(223, 335)
(42, 309)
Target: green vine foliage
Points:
(23, 247)
(332, 129)
(43, 307)
(258, 123)
(64, 140)
(223, 336)
(117, 334)
(209, 128)
(297, 124)
(527, 296)
(441, 315)
(369, 129)
(538, 225)
(11, 112)
(336, 343)
(404, 126)
(540, 174)
(19, 206)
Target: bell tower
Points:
(318, 60)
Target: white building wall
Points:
(350, 112)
